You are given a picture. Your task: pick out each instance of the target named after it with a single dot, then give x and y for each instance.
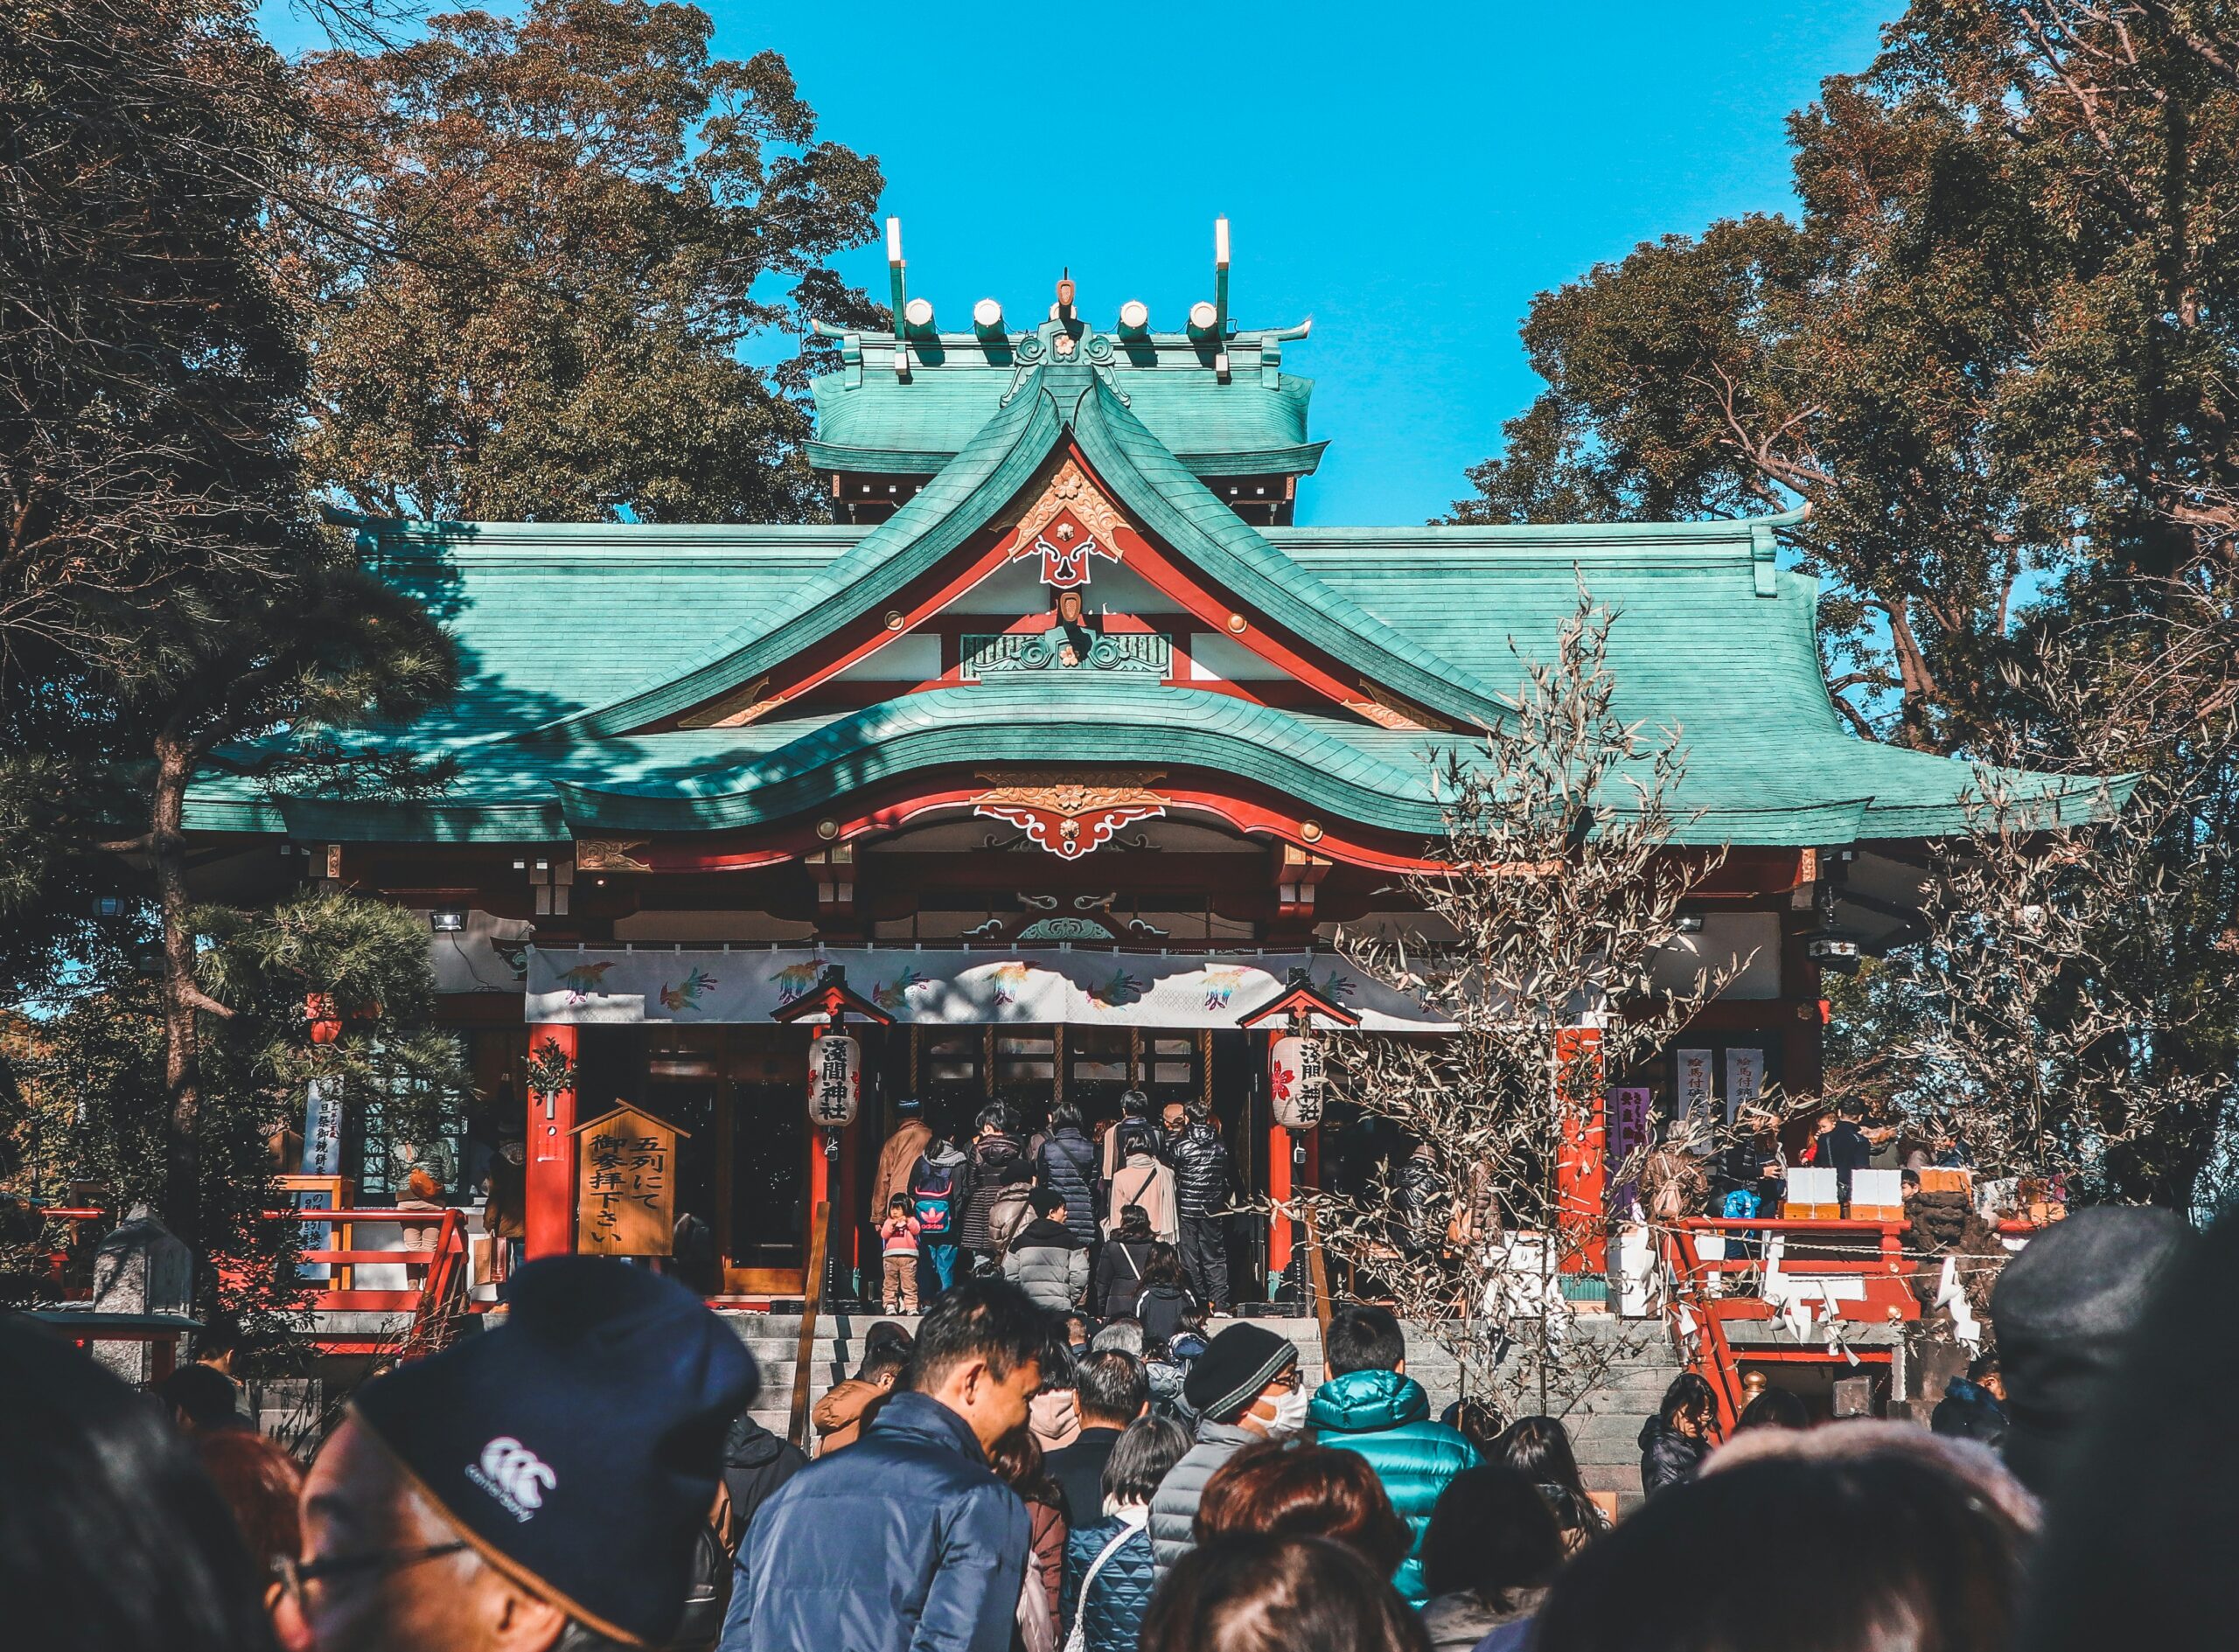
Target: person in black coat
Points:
(1202, 1177)
(756, 1462)
(1675, 1440)
(1845, 1147)
(1124, 1269)
(1065, 1163)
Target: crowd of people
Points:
(586, 1474)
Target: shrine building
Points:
(1050, 761)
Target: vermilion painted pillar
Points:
(1280, 1238)
(1582, 1165)
(550, 1221)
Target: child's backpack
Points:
(932, 1191)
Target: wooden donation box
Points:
(625, 1184)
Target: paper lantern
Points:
(835, 1081)
(1296, 1079)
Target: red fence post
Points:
(550, 1217)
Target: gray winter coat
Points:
(1173, 1505)
(1048, 1263)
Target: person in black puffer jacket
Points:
(756, 1462)
(1066, 1165)
(1000, 1174)
(1675, 1440)
(1124, 1269)
(1201, 1190)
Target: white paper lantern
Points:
(1296, 1079)
(835, 1081)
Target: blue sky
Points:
(1408, 175)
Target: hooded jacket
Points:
(1668, 1457)
(1066, 1165)
(1048, 1263)
(756, 1462)
(1386, 1418)
(839, 1415)
(906, 1543)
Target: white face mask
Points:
(1289, 1419)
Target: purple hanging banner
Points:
(1628, 1114)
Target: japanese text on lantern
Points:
(838, 1074)
(625, 1187)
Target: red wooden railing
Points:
(1872, 1251)
(434, 1302)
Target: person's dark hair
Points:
(112, 1539)
(1361, 1338)
(1880, 1552)
(1145, 1450)
(1047, 1202)
(1163, 1265)
(1775, 1408)
(1479, 1421)
(1110, 1387)
(1197, 1109)
(1981, 1366)
(201, 1394)
(989, 1319)
(1849, 1107)
(1134, 1222)
(1539, 1449)
(1249, 1592)
(1689, 1396)
(1060, 1368)
(899, 1202)
(1310, 1491)
(1133, 1104)
(259, 1482)
(1492, 1534)
(888, 1331)
(215, 1341)
(1064, 1116)
(1018, 1462)
(994, 1116)
(882, 1357)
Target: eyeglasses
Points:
(1287, 1380)
(295, 1576)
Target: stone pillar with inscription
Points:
(142, 1267)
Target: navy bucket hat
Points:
(577, 1446)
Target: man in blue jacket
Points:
(1370, 1405)
(906, 1542)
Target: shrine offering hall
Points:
(1051, 765)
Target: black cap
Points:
(1235, 1367)
(577, 1446)
(2064, 1309)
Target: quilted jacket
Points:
(1173, 1505)
(1066, 1165)
(1201, 1172)
(1120, 1596)
(1386, 1418)
(1048, 1263)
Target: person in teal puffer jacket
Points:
(1370, 1404)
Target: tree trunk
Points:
(181, 1210)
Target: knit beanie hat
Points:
(2064, 1310)
(1235, 1366)
(577, 1445)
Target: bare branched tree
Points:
(1542, 940)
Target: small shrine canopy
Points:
(936, 987)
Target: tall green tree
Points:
(1995, 351)
(531, 255)
(167, 593)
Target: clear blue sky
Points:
(1409, 175)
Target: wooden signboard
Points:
(625, 1184)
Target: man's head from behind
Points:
(201, 1397)
(980, 1354)
(1111, 1388)
(1365, 1339)
(557, 1470)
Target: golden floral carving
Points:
(1071, 489)
(1071, 792)
(610, 855)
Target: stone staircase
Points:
(1629, 1361)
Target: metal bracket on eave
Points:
(1764, 546)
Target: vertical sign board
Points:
(1696, 1086)
(625, 1185)
(322, 1157)
(1628, 1114)
(1745, 1079)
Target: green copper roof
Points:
(870, 419)
(574, 638)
